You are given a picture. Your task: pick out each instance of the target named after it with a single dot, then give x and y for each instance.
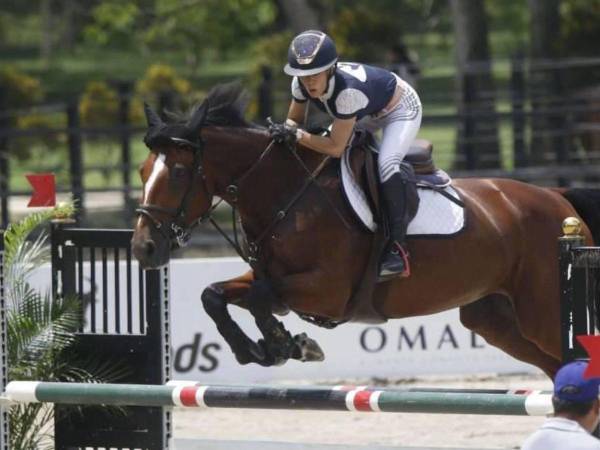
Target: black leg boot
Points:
(395, 258)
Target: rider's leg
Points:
(395, 260)
(399, 132)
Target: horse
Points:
(308, 254)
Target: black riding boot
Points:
(395, 259)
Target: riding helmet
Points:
(310, 52)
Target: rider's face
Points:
(315, 84)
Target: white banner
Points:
(436, 344)
(427, 345)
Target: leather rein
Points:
(175, 230)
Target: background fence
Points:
(535, 122)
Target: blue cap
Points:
(571, 385)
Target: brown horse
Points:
(501, 270)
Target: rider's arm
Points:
(334, 144)
(297, 111)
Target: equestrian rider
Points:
(351, 93)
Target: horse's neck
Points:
(263, 187)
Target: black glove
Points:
(282, 133)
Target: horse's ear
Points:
(152, 118)
(198, 117)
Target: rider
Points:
(351, 92)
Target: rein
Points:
(176, 232)
(252, 256)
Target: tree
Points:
(545, 81)
(299, 15)
(208, 28)
(478, 139)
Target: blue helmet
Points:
(310, 52)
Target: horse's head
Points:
(175, 193)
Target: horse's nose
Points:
(149, 247)
(144, 250)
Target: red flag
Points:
(591, 344)
(44, 189)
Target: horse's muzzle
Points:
(150, 249)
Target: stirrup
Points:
(402, 267)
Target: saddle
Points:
(418, 168)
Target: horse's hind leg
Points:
(494, 319)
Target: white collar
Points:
(329, 92)
(562, 423)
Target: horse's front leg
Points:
(314, 293)
(278, 343)
(215, 299)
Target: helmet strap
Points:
(332, 70)
(330, 74)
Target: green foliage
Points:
(269, 52)
(580, 27)
(113, 24)
(21, 89)
(162, 78)
(23, 147)
(41, 331)
(29, 323)
(208, 27)
(368, 31)
(364, 34)
(99, 104)
(510, 22)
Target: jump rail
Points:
(249, 397)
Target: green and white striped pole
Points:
(275, 397)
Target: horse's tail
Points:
(587, 204)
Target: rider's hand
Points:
(283, 133)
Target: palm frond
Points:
(38, 330)
(92, 370)
(17, 233)
(27, 257)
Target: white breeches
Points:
(399, 128)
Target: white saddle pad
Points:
(436, 215)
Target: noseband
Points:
(174, 228)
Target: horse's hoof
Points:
(307, 349)
(269, 359)
(254, 353)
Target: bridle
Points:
(175, 230)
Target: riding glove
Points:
(283, 133)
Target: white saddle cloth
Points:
(437, 215)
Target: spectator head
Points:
(575, 396)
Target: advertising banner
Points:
(427, 345)
(400, 348)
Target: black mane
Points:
(227, 105)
